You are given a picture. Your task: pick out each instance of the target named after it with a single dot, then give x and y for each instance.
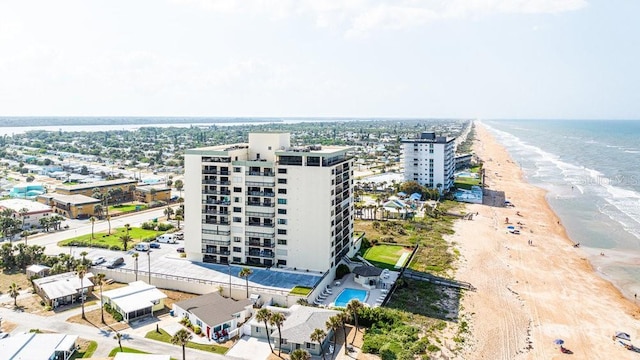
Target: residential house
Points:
(135, 301)
(63, 289)
(33, 346)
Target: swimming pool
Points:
(349, 294)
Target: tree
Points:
(343, 319)
(109, 222)
(84, 257)
(125, 239)
(318, 336)
(178, 184)
(118, 337)
(333, 324)
(25, 235)
(82, 271)
(99, 280)
(277, 319)
(14, 291)
(181, 338)
(98, 210)
(264, 315)
(23, 212)
(245, 273)
(178, 218)
(135, 257)
(153, 193)
(299, 354)
(93, 221)
(168, 211)
(353, 307)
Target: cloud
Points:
(359, 17)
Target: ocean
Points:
(591, 170)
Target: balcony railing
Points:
(261, 193)
(259, 224)
(214, 172)
(259, 234)
(261, 183)
(211, 192)
(257, 203)
(211, 212)
(216, 202)
(216, 242)
(216, 182)
(260, 214)
(260, 173)
(268, 244)
(264, 254)
(217, 252)
(211, 222)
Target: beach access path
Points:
(535, 287)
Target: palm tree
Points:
(300, 354)
(343, 319)
(125, 238)
(168, 211)
(118, 337)
(109, 221)
(333, 324)
(178, 218)
(98, 210)
(14, 291)
(23, 212)
(99, 280)
(277, 319)
(82, 271)
(92, 220)
(84, 257)
(353, 307)
(135, 257)
(25, 235)
(264, 315)
(181, 338)
(245, 273)
(318, 335)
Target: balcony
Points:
(216, 242)
(261, 183)
(216, 182)
(212, 192)
(216, 202)
(258, 203)
(214, 222)
(212, 212)
(216, 252)
(261, 193)
(260, 214)
(266, 244)
(257, 224)
(215, 172)
(259, 234)
(260, 173)
(264, 254)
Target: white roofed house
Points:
(29, 211)
(137, 300)
(63, 289)
(296, 330)
(217, 316)
(32, 346)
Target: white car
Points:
(97, 261)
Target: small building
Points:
(63, 289)
(367, 276)
(125, 185)
(33, 346)
(70, 206)
(37, 270)
(135, 301)
(151, 193)
(296, 330)
(216, 315)
(27, 190)
(33, 211)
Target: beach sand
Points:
(529, 295)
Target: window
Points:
(282, 191)
(237, 209)
(282, 262)
(282, 181)
(237, 249)
(310, 345)
(282, 232)
(282, 171)
(282, 242)
(237, 260)
(237, 169)
(282, 201)
(282, 211)
(199, 323)
(237, 219)
(237, 189)
(282, 221)
(236, 199)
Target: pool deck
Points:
(348, 282)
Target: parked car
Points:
(166, 238)
(115, 262)
(142, 246)
(154, 245)
(180, 249)
(98, 260)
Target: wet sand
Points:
(529, 295)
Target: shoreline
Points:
(529, 294)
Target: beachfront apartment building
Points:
(267, 203)
(429, 160)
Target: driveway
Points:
(250, 348)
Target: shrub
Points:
(341, 271)
(47, 308)
(115, 247)
(116, 315)
(432, 348)
(197, 330)
(164, 226)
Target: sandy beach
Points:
(530, 295)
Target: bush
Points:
(116, 315)
(164, 226)
(197, 330)
(115, 247)
(341, 271)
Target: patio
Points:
(348, 282)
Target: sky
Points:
(486, 59)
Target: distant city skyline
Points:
(491, 59)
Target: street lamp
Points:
(149, 258)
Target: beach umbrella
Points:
(558, 341)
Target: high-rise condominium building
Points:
(268, 203)
(429, 160)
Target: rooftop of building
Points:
(429, 137)
(35, 346)
(157, 187)
(137, 295)
(65, 284)
(98, 184)
(213, 308)
(18, 204)
(71, 199)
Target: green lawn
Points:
(126, 350)
(126, 208)
(384, 256)
(164, 337)
(300, 290)
(465, 182)
(86, 354)
(104, 240)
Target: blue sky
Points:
(344, 58)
